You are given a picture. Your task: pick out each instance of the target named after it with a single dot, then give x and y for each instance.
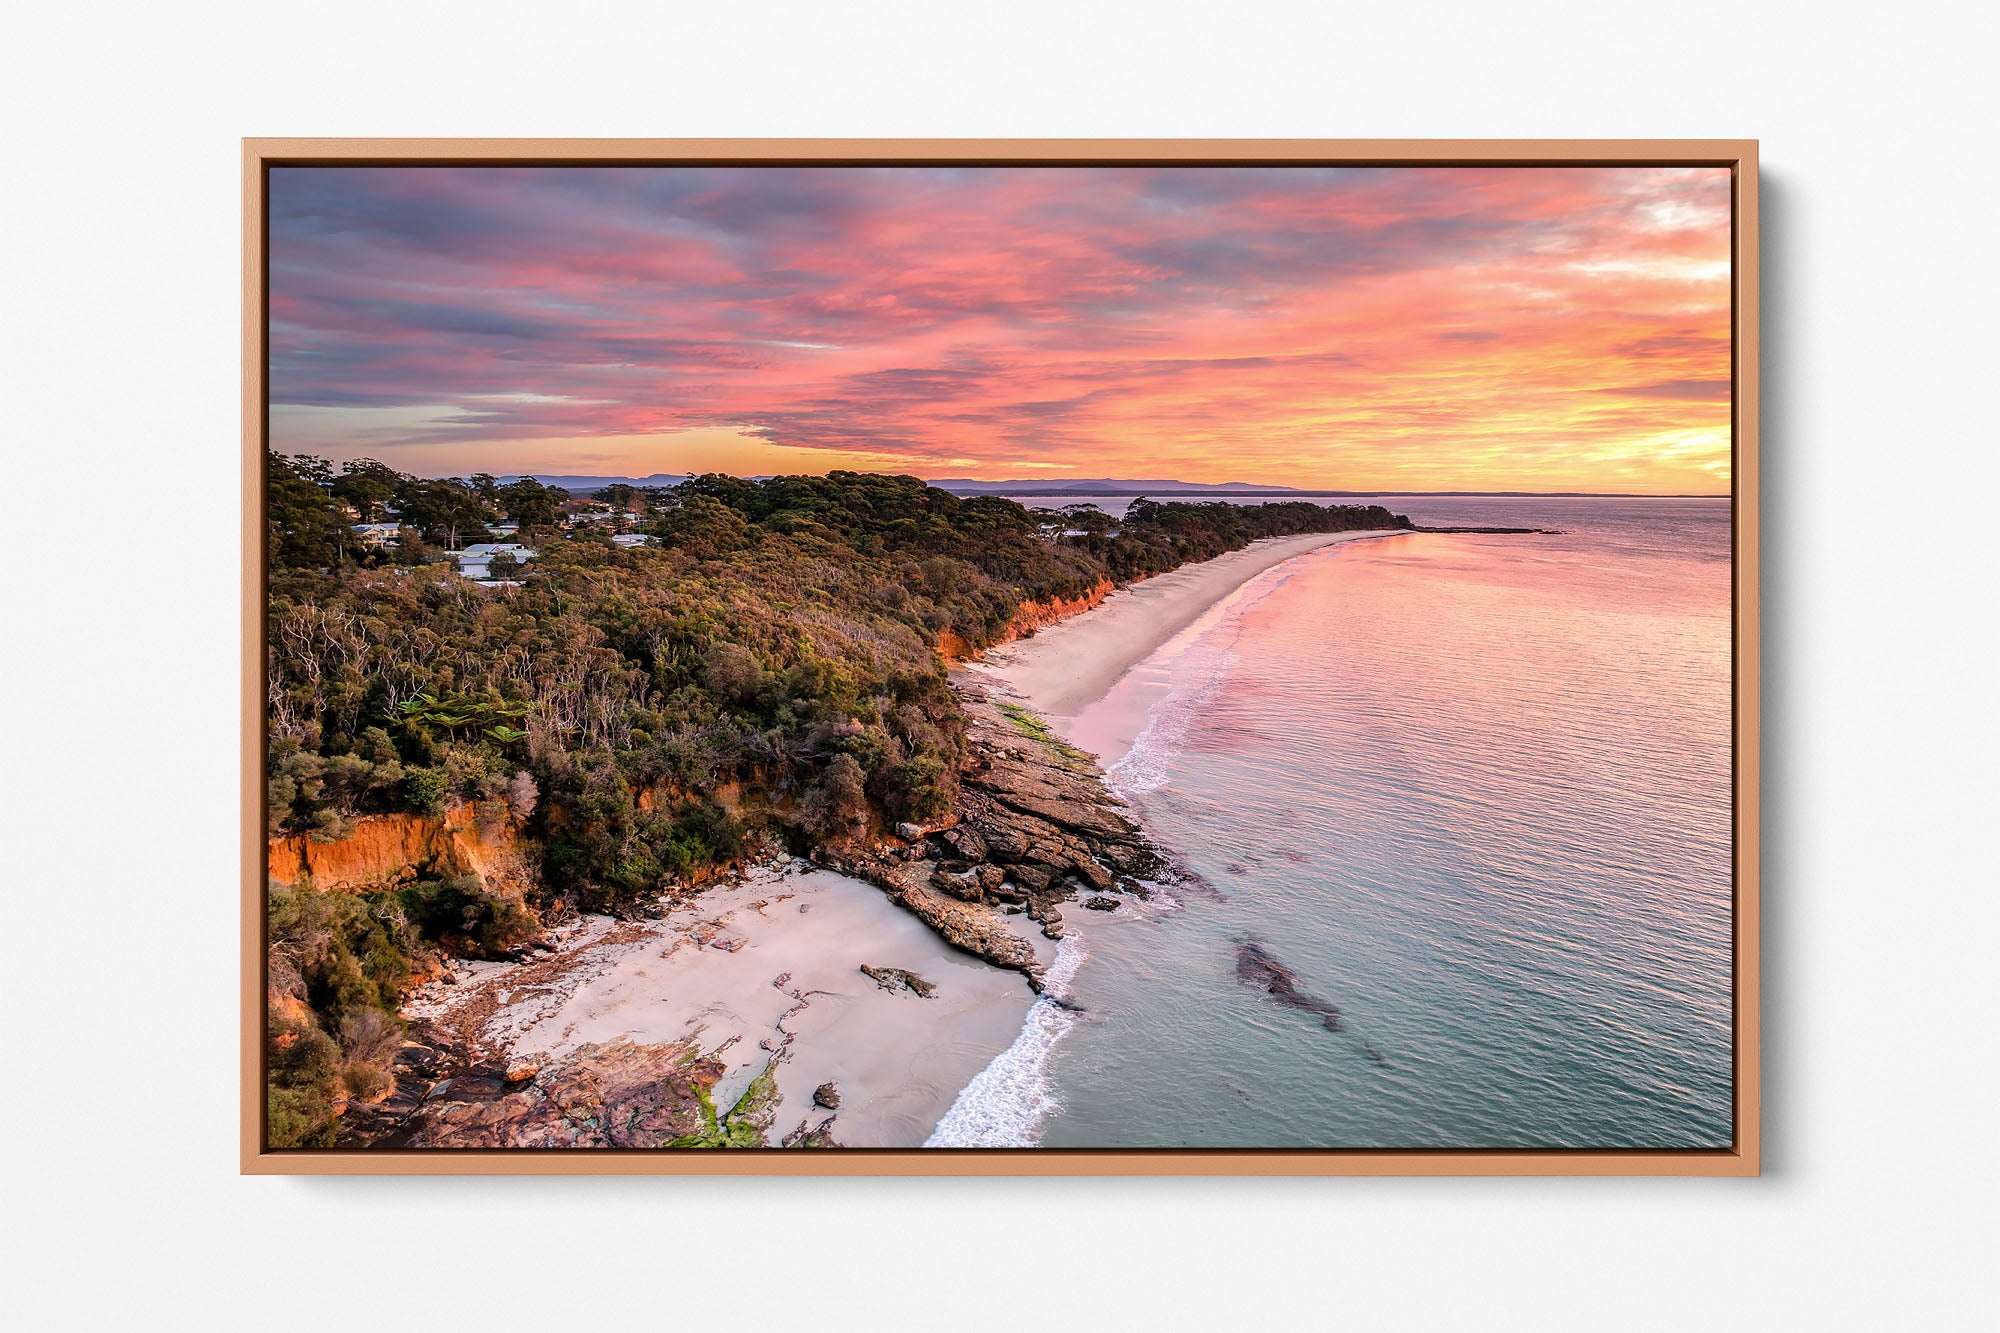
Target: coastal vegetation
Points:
(763, 673)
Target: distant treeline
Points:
(776, 645)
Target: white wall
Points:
(120, 318)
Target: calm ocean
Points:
(1474, 792)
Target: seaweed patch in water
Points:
(1258, 966)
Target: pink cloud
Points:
(1361, 325)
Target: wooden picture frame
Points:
(1739, 156)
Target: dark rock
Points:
(418, 1057)
(1101, 904)
(965, 840)
(481, 1085)
(1033, 822)
(1033, 878)
(959, 879)
(899, 979)
(828, 1096)
(809, 1135)
(1094, 872)
(407, 1097)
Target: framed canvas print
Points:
(983, 657)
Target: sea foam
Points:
(1198, 662)
(1010, 1100)
(1006, 1105)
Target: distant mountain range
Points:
(580, 485)
(1111, 486)
(1085, 488)
(967, 486)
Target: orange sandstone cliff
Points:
(1028, 618)
(384, 850)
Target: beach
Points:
(1067, 667)
(767, 972)
(766, 969)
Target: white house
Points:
(476, 560)
(628, 540)
(377, 534)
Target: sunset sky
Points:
(1498, 328)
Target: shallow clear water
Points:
(1475, 792)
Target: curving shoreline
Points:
(1068, 666)
(1067, 674)
(770, 1001)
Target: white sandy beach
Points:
(1067, 667)
(793, 987)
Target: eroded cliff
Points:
(384, 851)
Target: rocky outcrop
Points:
(893, 979)
(386, 850)
(976, 927)
(614, 1094)
(1038, 807)
(1035, 827)
(809, 1135)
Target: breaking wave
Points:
(1007, 1103)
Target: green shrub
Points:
(347, 959)
(424, 789)
(298, 1117)
(468, 919)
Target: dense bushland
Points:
(336, 965)
(766, 671)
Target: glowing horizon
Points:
(1479, 328)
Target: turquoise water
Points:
(1474, 792)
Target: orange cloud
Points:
(1359, 328)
